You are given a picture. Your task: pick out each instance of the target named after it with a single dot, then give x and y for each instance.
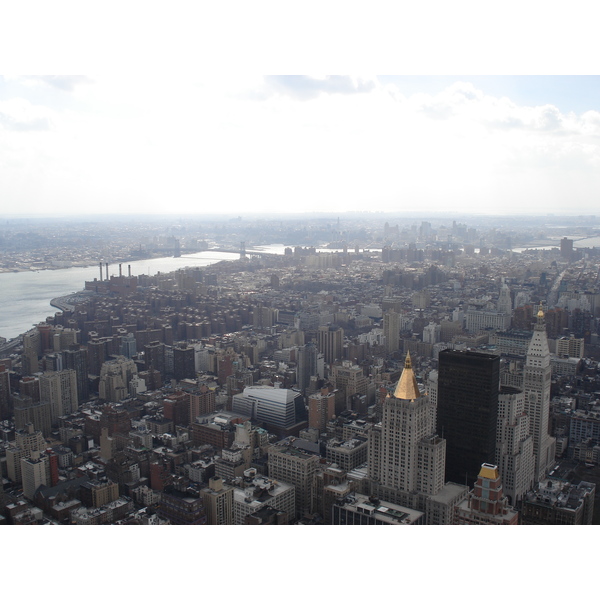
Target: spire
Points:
(407, 388)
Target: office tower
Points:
(154, 356)
(184, 362)
(35, 471)
(306, 366)
(406, 458)
(27, 441)
(486, 504)
(4, 393)
(97, 354)
(330, 341)
(296, 467)
(76, 358)
(537, 378)
(204, 359)
(176, 407)
(432, 392)
(570, 346)
(514, 445)
(321, 408)
(218, 502)
(504, 300)
(391, 330)
(59, 388)
(467, 411)
(115, 377)
(30, 386)
(432, 333)
(36, 412)
(566, 248)
(202, 402)
(31, 352)
(128, 346)
(349, 379)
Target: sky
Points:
(288, 144)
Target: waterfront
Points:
(26, 296)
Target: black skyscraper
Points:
(467, 411)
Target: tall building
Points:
(218, 502)
(59, 388)
(202, 402)
(321, 408)
(35, 471)
(405, 457)
(467, 411)
(486, 504)
(4, 393)
(537, 378)
(115, 376)
(504, 300)
(566, 248)
(349, 379)
(184, 366)
(27, 410)
(176, 407)
(330, 340)
(296, 467)
(306, 366)
(76, 358)
(27, 441)
(391, 330)
(514, 445)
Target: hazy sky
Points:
(88, 144)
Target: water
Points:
(25, 296)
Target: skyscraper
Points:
(514, 445)
(406, 458)
(330, 340)
(60, 389)
(537, 379)
(76, 358)
(391, 330)
(467, 411)
(307, 366)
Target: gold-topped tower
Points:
(407, 388)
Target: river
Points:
(25, 296)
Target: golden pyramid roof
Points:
(407, 388)
(488, 471)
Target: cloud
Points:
(66, 83)
(304, 87)
(22, 116)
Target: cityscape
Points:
(376, 369)
(300, 300)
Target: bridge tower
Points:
(242, 249)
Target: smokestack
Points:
(120, 273)
(100, 270)
(106, 271)
(129, 267)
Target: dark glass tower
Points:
(467, 411)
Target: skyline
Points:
(292, 144)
